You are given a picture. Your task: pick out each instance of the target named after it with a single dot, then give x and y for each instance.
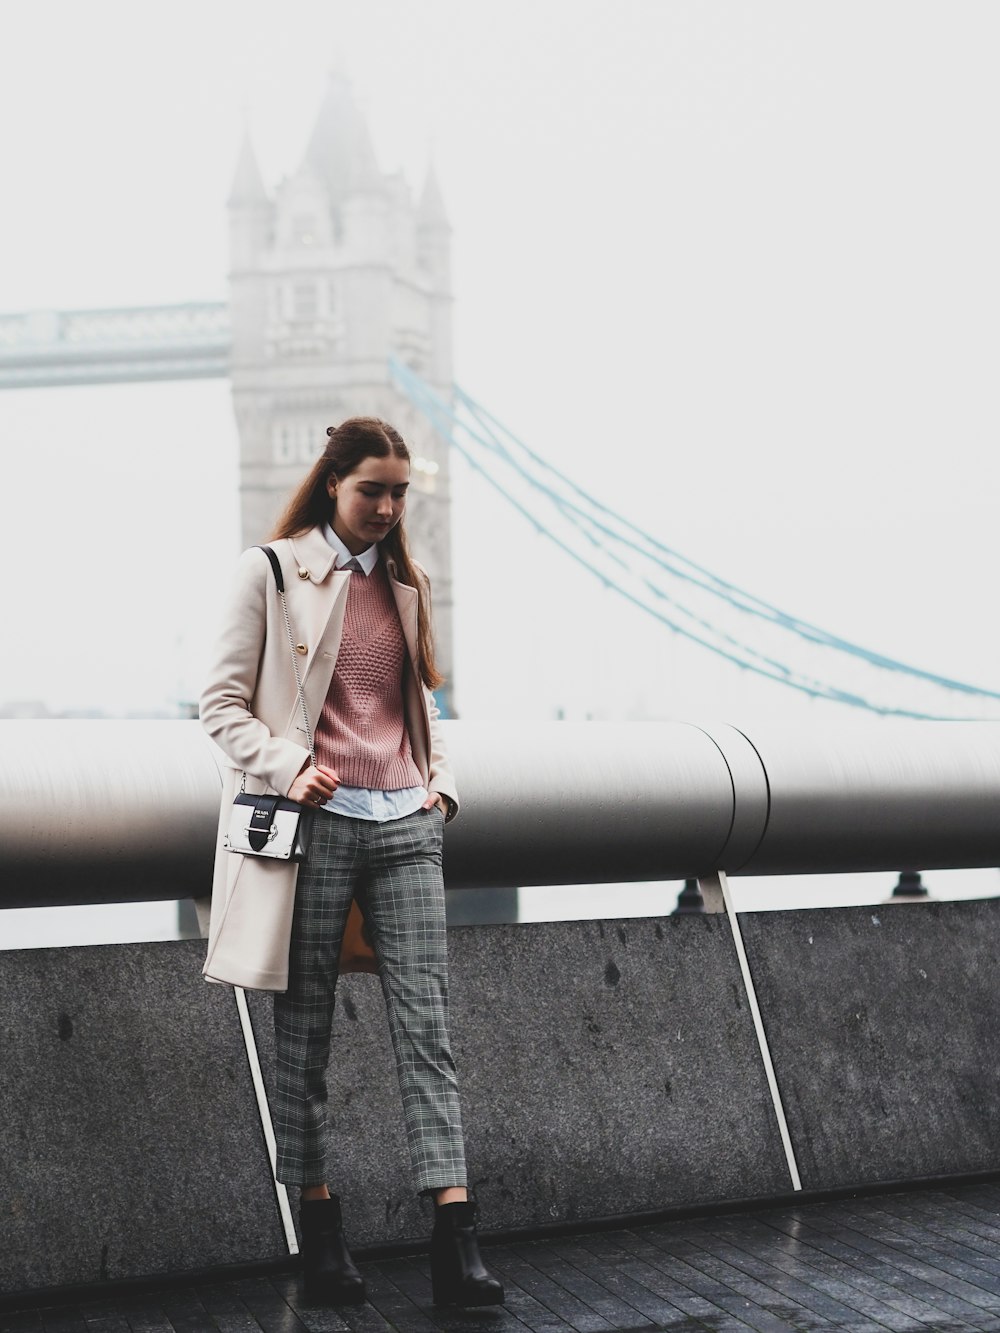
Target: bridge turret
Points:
(251, 212)
(340, 147)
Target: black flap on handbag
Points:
(261, 819)
(261, 816)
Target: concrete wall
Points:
(129, 1137)
(607, 1068)
(884, 1027)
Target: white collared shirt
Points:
(367, 802)
(368, 558)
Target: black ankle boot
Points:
(329, 1270)
(458, 1274)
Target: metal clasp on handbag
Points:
(272, 832)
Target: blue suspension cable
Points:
(587, 525)
(734, 596)
(438, 417)
(445, 421)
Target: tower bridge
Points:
(332, 274)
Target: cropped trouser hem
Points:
(395, 870)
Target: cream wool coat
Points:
(250, 708)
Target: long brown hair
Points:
(348, 445)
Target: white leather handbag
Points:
(268, 826)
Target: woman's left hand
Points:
(435, 798)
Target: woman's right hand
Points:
(314, 785)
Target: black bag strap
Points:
(280, 581)
(279, 578)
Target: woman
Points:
(360, 611)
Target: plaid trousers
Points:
(394, 868)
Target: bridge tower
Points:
(331, 274)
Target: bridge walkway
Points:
(919, 1260)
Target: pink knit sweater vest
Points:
(361, 731)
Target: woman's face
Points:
(369, 501)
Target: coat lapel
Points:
(414, 702)
(321, 612)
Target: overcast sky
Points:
(732, 265)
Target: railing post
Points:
(715, 888)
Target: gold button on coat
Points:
(301, 648)
(303, 572)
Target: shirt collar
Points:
(368, 558)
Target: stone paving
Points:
(919, 1260)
